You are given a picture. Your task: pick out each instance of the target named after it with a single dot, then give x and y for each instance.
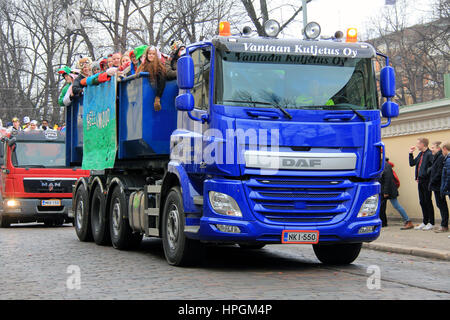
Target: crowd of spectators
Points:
(149, 59)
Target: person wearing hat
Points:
(136, 56)
(33, 127)
(177, 48)
(15, 126)
(66, 73)
(26, 121)
(153, 65)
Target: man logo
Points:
(301, 163)
(50, 187)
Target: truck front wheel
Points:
(4, 222)
(99, 223)
(82, 221)
(178, 249)
(122, 236)
(336, 254)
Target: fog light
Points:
(363, 230)
(228, 228)
(12, 203)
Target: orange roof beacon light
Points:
(352, 35)
(224, 29)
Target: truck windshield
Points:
(39, 154)
(294, 82)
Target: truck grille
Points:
(47, 185)
(297, 200)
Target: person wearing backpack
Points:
(389, 191)
(435, 173)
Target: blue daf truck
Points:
(260, 141)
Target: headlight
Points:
(12, 203)
(369, 207)
(224, 204)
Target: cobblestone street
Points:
(35, 260)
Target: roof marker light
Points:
(224, 29)
(352, 35)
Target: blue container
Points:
(74, 132)
(144, 132)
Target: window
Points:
(262, 80)
(200, 91)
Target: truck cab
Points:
(35, 184)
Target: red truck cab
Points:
(35, 183)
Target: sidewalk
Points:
(426, 244)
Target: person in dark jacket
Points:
(84, 64)
(422, 162)
(445, 177)
(435, 173)
(171, 64)
(389, 191)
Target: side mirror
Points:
(185, 102)
(387, 82)
(390, 109)
(185, 72)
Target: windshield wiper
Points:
(287, 114)
(348, 105)
(333, 107)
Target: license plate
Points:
(51, 203)
(303, 236)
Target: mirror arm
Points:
(204, 118)
(387, 124)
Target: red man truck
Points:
(35, 183)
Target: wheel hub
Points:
(116, 214)
(173, 227)
(80, 210)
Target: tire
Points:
(251, 246)
(58, 222)
(49, 223)
(178, 249)
(99, 221)
(82, 220)
(4, 221)
(122, 236)
(337, 254)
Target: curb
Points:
(414, 251)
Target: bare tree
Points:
(259, 18)
(419, 53)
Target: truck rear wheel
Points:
(4, 222)
(122, 236)
(178, 249)
(82, 221)
(337, 254)
(99, 222)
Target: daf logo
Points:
(301, 163)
